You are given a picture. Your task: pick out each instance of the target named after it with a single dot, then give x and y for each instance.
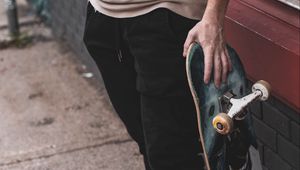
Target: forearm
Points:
(215, 11)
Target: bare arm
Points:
(209, 33)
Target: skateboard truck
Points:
(223, 123)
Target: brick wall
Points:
(278, 131)
(277, 126)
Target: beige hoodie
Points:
(193, 9)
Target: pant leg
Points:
(119, 76)
(168, 114)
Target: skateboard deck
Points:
(220, 152)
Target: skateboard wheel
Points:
(264, 87)
(222, 123)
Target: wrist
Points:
(215, 11)
(214, 16)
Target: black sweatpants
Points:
(143, 69)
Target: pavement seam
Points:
(71, 150)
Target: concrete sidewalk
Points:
(53, 115)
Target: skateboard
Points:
(225, 128)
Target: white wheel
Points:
(264, 87)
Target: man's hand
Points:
(209, 34)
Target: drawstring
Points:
(118, 41)
(120, 56)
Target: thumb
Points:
(189, 40)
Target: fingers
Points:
(225, 66)
(208, 63)
(189, 40)
(218, 61)
(228, 59)
(217, 70)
